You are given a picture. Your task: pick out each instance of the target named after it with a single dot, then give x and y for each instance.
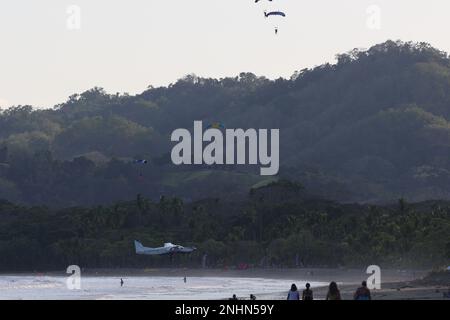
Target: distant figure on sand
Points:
(121, 282)
(234, 297)
(185, 280)
(293, 293)
(333, 292)
(252, 297)
(362, 293)
(307, 293)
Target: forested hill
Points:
(371, 128)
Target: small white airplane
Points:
(168, 248)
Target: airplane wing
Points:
(140, 249)
(181, 249)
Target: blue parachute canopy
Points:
(274, 13)
(140, 161)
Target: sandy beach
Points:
(396, 284)
(266, 284)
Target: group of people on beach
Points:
(362, 293)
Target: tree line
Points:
(277, 225)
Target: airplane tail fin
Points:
(138, 246)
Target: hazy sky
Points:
(124, 46)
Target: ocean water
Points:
(144, 288)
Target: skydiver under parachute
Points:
(140, 162)
(274, 13)
(216, 125)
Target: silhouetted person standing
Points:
(293, 293)
(362, 293)
(333, 292)
(307, 293)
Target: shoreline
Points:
(343, 275)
